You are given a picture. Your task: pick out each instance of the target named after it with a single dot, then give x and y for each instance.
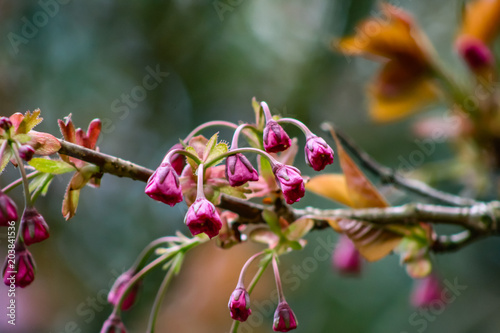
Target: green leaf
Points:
(192, 163)
(216, 152)
(38, 181)
(54, 167)
(5, 155)
(272, 220)
(299, 229)
(210, 146)
(238, 192)
(22, 138)
(29, 121)
(177, 264)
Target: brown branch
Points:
(480, 219)
(390, 176)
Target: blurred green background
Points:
(84, 57)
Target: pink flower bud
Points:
(113, 324)
(284, 318)
(318, 153)
(23, 264)
(119, 287)
(290, 182)
(275, 138)
(203, 217)
(346, 257)
(475, 53)
(239, 304)
(8, 210)
(239, 170)
(178, 161)
(34, 229)
(26, 152)
(5, 123)
(425, 291)
(164, 185)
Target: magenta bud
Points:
(119, 287)
(284, 318)
(34, 229)
(113, 324)
(26, 152)
(425, 291)
(239, 170)
(178, 161)
(318, 153)
(164, 185)
(275, 138)
(8, 210)
(202, 217)
(476, 54)
(239, 304)
(290, 181)
(346, 257)
(5, 123)
(19, 271)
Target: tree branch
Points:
(480, 219)
(390, 176)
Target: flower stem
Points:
(17, 182)
(209, 124)
(199, 190)
(148, 268)
(149, 249)
(236, 135)
(307, 132)
(255, 280)
(281, 296)
(244, 269)
(267, 112)
(162, 290)
(24, 178)
(181, 152)
(243, 150)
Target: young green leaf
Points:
(210, 146)
(55, 167)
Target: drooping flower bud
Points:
(26, 152)
(5, 123)
(284, 318)
(178, 161)
(34, 229)
(275, 138)
(239, 304)
(290, 181)
(21, 270)
(475, 53)
(318, 153)
(164, 185)
(120, 286)
(239, 170)
(346, 257)
(8, 210)
(202, 217)
(425, 291)
(113, 324)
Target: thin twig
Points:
(390, 176)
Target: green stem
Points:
(17, 182)
(162, 291)
(150, 249)
(148, 268)
(37, 193)
(20, 165)
(255, 280)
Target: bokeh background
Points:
(82, 57)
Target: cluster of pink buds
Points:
(19, 267)
(166, 183)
